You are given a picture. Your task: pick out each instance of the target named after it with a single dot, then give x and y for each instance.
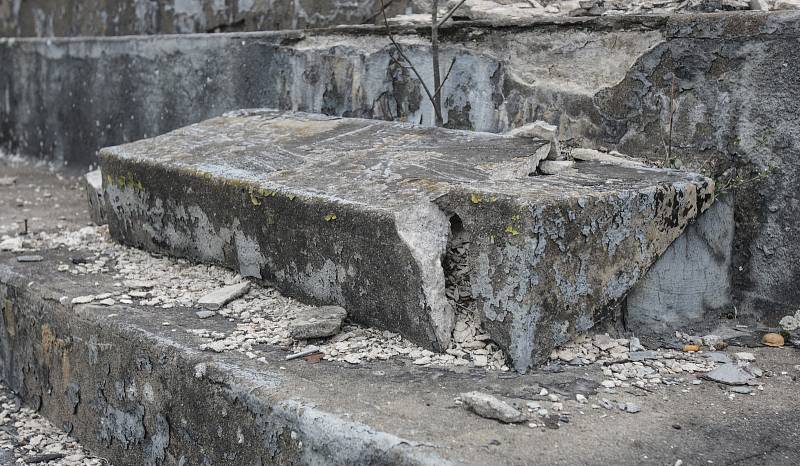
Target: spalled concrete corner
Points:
(360, 214)
(547, 267)
(426, 229)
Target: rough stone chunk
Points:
(554, 167)
(729, 374)
(318, 322)
(487, 406)
(218, 298)
(541, 130)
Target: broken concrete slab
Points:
(729, 374)
(218, 298)
(256, 191)
(317, 322)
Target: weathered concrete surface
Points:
(690, 284)
(64, 18)
(604, 81)
(134, 394)
(392, 397)
(358, 213)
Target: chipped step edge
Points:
(316, 436)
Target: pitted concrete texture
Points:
(358, 213)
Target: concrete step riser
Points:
(138, 398)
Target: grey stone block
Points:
(358, 213)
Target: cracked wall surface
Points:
(63, 18)
(604, 81)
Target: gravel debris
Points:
(28, 438)
(264, 320)
(262, 315)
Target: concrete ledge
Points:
(139, 394)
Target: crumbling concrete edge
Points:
(290, 430)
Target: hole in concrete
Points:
(470, 340)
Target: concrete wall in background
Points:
(64, 18)
(604, 81)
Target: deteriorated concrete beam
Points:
(358, 213)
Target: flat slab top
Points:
(383, 164)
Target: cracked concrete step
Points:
(358, 213)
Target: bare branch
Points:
(447, 75)
(450, 13)
(437, 73)
(410, 65)
(383, 8)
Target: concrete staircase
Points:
(359, 213)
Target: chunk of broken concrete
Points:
(587, 155)
(11, 244)
(487, 406)
(553, 167)
(541, 130)
(218, 298)
(729, 374)
(139, 284)
(205, 314)
(317, 322)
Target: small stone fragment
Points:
(632, 408)
(642, 355)
(554, 167)
(636, 345)
(11, 244)
(218, 298)
(691, 348)
(729, 374)
(30, 258)
(205, 314)
(745, 356)
(743, 390)
(487, 406)
(318, 322)
(139, 284)
(83, 299)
